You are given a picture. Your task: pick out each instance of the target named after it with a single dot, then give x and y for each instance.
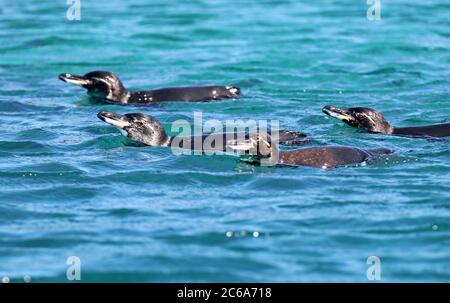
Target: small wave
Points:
(24, 147)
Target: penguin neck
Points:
(275, 156)
(381, 129)
(167, 141)
(122, 96)
(390, 130)
(385, 127)
(162, 139)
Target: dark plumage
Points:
(108, 86)
(148, 131)
(261, 147)
(372, 121)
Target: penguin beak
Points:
(119, 121)
(75, 79)
(340, 114)
(244, 145)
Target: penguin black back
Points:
(373, 121)
(108, 86)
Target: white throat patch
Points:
(119, 124)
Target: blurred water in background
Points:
(69, 185)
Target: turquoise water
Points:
(70, 186)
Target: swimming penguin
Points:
(148, 131)
(108, 86)
(374, 122)
(260, 146)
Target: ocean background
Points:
(70, 185)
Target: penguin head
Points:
(364, 118)
(138, 126)
(101, 83)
